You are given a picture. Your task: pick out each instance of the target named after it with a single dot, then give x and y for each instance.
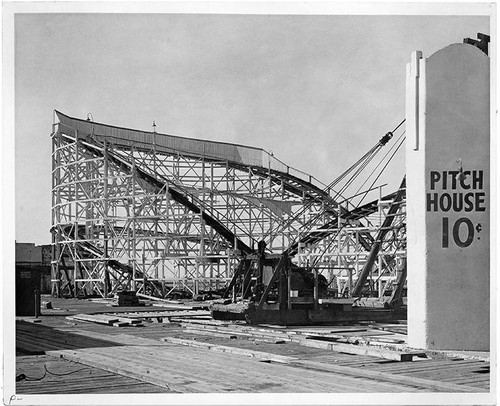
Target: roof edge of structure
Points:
(240, 155)
(59, 113)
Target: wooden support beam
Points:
(277, 273)
(359, 350)
(232, 350)
(372, 256)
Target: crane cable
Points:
(400, 140)
(369, 155)
(395, 147)
(358, 166)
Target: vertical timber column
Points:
(56, 212)
(134, 225)
(157, 199)
(448, 202)
(77, 217)
(107, 283)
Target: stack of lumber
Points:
(260, 355)
(170, 315)
(128, 298)
(359, 345)
(399, 329)
(110, 320)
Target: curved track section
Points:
(180, 196)
(177, 210)
(239, 157)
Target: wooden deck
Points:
(49, 375)
(180, 353)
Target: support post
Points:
(289, 279)
(316, 289)
(105, 222)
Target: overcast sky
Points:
(318, 91)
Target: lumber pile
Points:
(260, 355)
(170, 315)
(110, 320)
(359, 345)
(137, 318)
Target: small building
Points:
(35, 258)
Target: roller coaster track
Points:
(243, 158)
(365, 238)
(89, 250)
(177, 192)
(117, 145)
(93, 142)
(189, 201)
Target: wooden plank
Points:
(79, 378)
(208, 333)
(111, 320)
(209, 322)
(434, 365)
(173, 313)
(220, 331)
(412, 381)
(121, 339)
(236, 333)
(367, 340)
(132, 369)
(452, 376)
(231, 350)
(392, 329)
(246, 331)
(360, 350)
(299, 334)
(326, 330)
(95, 318)
(30, 320)
(129, 320)
(120, 324)
(54, 339)
(44, 342)
(469, 380)
(30, 348)
(158, 299)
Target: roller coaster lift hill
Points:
(159, 214)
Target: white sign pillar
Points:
(448, 199)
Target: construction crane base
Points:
(334, 311)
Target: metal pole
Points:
(316, 289)
(36, 293)
(289, 277)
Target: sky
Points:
(318, 91)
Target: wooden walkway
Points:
(200, 356)
(48, 375)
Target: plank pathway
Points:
(199, 355)
(190, 369)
